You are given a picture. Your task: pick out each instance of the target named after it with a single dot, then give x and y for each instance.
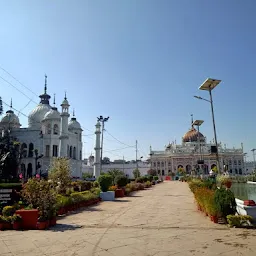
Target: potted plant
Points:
(121, 181)
(105, 182)
(16, 221)
(52, 217)
(42, 223)
(225, 202)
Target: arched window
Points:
(30, 150)
(74, 152)
(235, 162)
(24, 149)
(29, 171)
(67, 150)
(49, 129)
(162, 164)
(80, 154)
(70, 151)
(80, 137)
(55, 129)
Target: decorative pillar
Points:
(64, 128)
(96, 170)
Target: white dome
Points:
(10, 119)
(37, 115)
(74, 124)
(53, 114)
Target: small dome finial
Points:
(192, 121)
(65, 95)
(54, 99)
(11, 103)
(45, 84)
(73, 112)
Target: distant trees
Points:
(152, 172)
(9, 157)
(136, 173)
(105, 160)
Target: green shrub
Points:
(225, 202)
(239, 220)
(155, 178)
(139, 180)
(8, 211)
(16, 218)
(150, 178)
(121, 181)
(105, 181)
(96, 184)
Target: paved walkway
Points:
(157, 222)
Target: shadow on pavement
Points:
(64, 227)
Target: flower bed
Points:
(215, 203)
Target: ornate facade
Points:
(50, 132)
(194, 147)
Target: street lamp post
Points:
(208, 85)
(102, 120)
(198, 123)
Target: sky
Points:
(140, 62)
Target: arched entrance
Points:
(188, 169)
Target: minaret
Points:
(63, 147)
(96, 171)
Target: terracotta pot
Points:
(214, 219)
(119, 193)
(228, 184)
(47, 224)
(53, 222)
(29, 218)
(8, 226)
(41, 225)
(16, 225)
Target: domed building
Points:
(10, 120)
(196, 155)
(50, 133)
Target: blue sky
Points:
(139, 62)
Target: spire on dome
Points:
(65, 98)
(73, 112)
(54, 99)
(11, 103)
(45, 84)
(45, 97)
(192, 120)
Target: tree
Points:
(152, 172)
(60, 174)
(105, 160)
(9, 157)
(136, 173)
(114, 173)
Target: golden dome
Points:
(192, 136)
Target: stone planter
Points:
(29, 218)
(107, 196)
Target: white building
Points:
(194, 147)
(126, 167)
(52, 133)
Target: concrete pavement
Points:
(160, 221)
